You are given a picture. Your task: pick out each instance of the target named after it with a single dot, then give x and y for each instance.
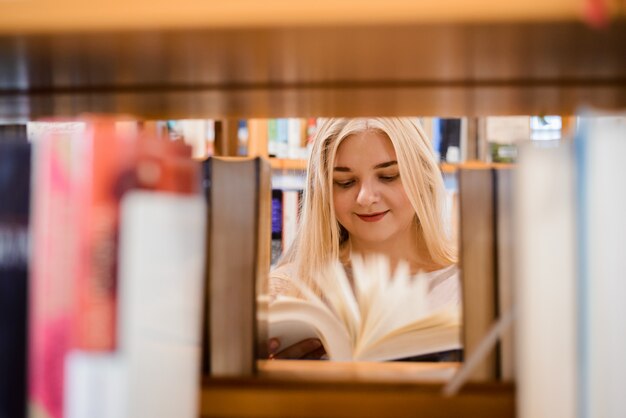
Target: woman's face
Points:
(369, 198)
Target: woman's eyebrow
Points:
(386, 164)
(377, 166)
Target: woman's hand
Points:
(309, 349)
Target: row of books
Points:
(285, 217)
(120, 281)
(570, 234)
(106, 294)
(282, 138)
(290, 138)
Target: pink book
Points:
(53, 269)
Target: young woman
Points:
(373, 186)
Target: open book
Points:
(385, 317)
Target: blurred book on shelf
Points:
(448, 137)
(477, 263)
(15, 180)
(238, 192)
(285, 219)
(545, 288)
(600, 147)
(486, 263)
(84, 170)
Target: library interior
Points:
(135, 135)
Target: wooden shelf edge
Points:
(453, 168)
(271, 398)
(288, 164)
(316, 389)
(448, 168)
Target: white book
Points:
(290, 216)
(94, 385)
(294, 138)
(194, 134)
(544, 204)
(602, 148)
(282, 138)
(161, 277)
(385, 317)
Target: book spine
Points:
(290, 217)
(236, 198)
(602, 229)
(545, 281)
(53, 269)
(107, 159)
(477, 263)
(277, 225)
(115, 163)
(95, 385)
(294, 138)
(162, 249)
(282, 138)
(505, 267)
(14, 214)
(272, 137)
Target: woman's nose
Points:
(368, 194)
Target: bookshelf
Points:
(287, 164)
(291, 164)
(206, 63)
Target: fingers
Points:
(316, 354)
(273, 346)
(303, 349)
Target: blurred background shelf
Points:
(288, 164)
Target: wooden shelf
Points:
(63, 16)
(325, 389)
(439, 69)
(287, 164)
(291, 164)
(453, 168)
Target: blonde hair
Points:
(320, 235)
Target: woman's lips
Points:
(372, 217)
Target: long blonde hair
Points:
(320, 235)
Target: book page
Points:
(291, 320)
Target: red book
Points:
(115, 162)
(107, 162)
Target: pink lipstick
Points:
(372, 217)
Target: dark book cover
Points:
(450, 130)
(14, 209)
(277, 225)
(13, 132)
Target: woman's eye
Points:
(344, 183)
(389, 178)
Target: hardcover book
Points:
(239, 237)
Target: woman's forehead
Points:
(365, 149)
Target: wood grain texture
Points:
(440, 69)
